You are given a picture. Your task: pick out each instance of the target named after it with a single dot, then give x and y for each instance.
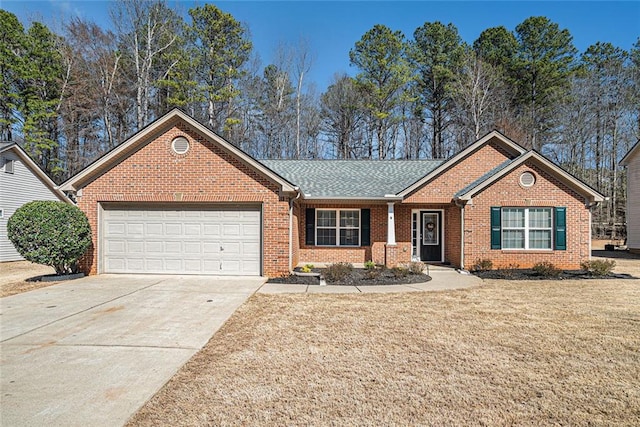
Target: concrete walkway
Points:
(92, 351)
(442, 278)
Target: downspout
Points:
(291, 201)
(589, 204)
(461, 205)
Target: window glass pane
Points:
(350, 219)
(540, 239)
(326, 218)
(513, 239)
(540, 218)
(513, 218)
(326, 236)
(349, 237)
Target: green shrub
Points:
(598, 267)
(338, 271)
(399, 272)
(482, 265)
(369, 265)
(546, 269)
(50, 233)
(415, 267)
(307, 268)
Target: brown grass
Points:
(15, 277)
(507, 353)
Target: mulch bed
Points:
(357, 277)
(529, 274)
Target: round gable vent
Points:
(527, 179)
(180, 145)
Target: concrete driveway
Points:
(93, 350)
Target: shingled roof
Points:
(354, 179)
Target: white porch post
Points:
(391, 226)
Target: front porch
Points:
(396, 234)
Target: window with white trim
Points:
(527, 228)
(337, 227)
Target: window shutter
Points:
(496, 228)
(365, 227)
(561, 229)
(310, 226)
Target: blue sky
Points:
(333, 27)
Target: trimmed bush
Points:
(482, 265)
(416, 267)
(338, 271)
(546, 269)
(50, 233)
(399, 272)
(598, 267)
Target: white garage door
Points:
(181, 241)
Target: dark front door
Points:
(431, 236)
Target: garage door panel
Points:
(173, 241)
(155, 229)
(154, 247)
(135, 229)
(193, 229)
(133, 247)
(193, 248)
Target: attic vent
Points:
(8, 165)
(527, 179)
(180, 145)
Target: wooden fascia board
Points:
(546, 164)
(460, 156)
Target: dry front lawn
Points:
(506, 353)
(17, 277)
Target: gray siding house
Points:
(632, 162)
(21, 181)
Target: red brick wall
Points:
(206, 174)
(354, 255)
(451, 224)
(376, 252)
(443, 187)
(507, 192)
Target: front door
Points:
(431, 236)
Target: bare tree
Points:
(146, 29)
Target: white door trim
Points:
(418, 232)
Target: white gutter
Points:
(461, 206)
(356, 199)
(298, 194)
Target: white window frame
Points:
(338, 227)
(526, 228)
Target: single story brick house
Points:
(176, 198)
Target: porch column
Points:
(391, 225)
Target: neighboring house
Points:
(177, 198)
(21, 181)
(632, 162)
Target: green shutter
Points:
(365, 227)
(561, 229)
(310, 226)
(496, 228)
